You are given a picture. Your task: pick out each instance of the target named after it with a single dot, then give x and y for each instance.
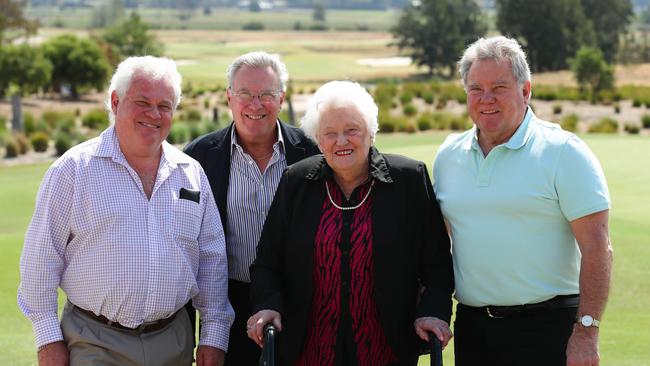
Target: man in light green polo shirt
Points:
(527, 207)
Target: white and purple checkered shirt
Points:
(118, 254)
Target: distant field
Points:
(624, 333)
(227, 18)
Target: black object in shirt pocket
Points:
(189, 194)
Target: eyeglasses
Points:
(245, 96)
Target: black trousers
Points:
(242, 351)
(533, 338)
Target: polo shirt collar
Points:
(377, 165)
(517, 141)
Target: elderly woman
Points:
(353, 264)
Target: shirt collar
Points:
(377, 165)
(109, 146)
(517, 141)
(234, 143)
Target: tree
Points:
(12, 20)
(23, 67)
(254, 6)
(108, 14)
(131, 38)
(26, 70)
(77, 63)
(610, 19)
(435, 32)
(319, 12)
(550, 31)
(591, 71)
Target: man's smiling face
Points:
(143, 115)
(255, 119)
(495, 100)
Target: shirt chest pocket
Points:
(186, 224)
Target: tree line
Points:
(65, 64)
(435, 32)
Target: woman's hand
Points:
(430, 324)
(255, 324)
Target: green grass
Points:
(624, 335)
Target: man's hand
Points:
(209, 356)
(430, 324)
(255, 324)
(54, 354)
(582, 349)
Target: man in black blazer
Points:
(244, 163)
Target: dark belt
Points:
(146, 327)
(498, 312)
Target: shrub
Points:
(427, 97)
(605, 125)
(406, 98)
(206, 103)
(179, 133)
(192, 115)
(40, 141)
(645, 121)
(253, 26)
(424, 122)
(23, 143)
(385, 121)
(570, 123)
(632, 129)
(459, 123)
(442, 102)
(96, 119)
(636, 103)
(318, 27)
(416, 89)
(62, 143)
(54, 120)
(410, 110)
(617, 108)
(11, 148)
(557, 109)
(29, 125)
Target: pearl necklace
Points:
(327, 187)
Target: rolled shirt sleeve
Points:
(42, 261)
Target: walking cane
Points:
(436, 350)
(268, 349)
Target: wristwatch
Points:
(588, 321)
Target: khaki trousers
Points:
(93, 343)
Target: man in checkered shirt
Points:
(127, 226)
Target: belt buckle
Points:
(492, 314)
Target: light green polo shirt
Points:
(510, 212)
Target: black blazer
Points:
(410, 248)
(213, 152)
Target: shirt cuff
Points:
(47, 330)
(214, 334)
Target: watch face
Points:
(587, 320)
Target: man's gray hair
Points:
(340, 94)
(498, 49)
(154, 68)
(259, 60)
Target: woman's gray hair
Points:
(498, 49)
(340, 94)
(154, 68)
(259, 60)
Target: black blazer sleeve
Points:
(435, 272)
